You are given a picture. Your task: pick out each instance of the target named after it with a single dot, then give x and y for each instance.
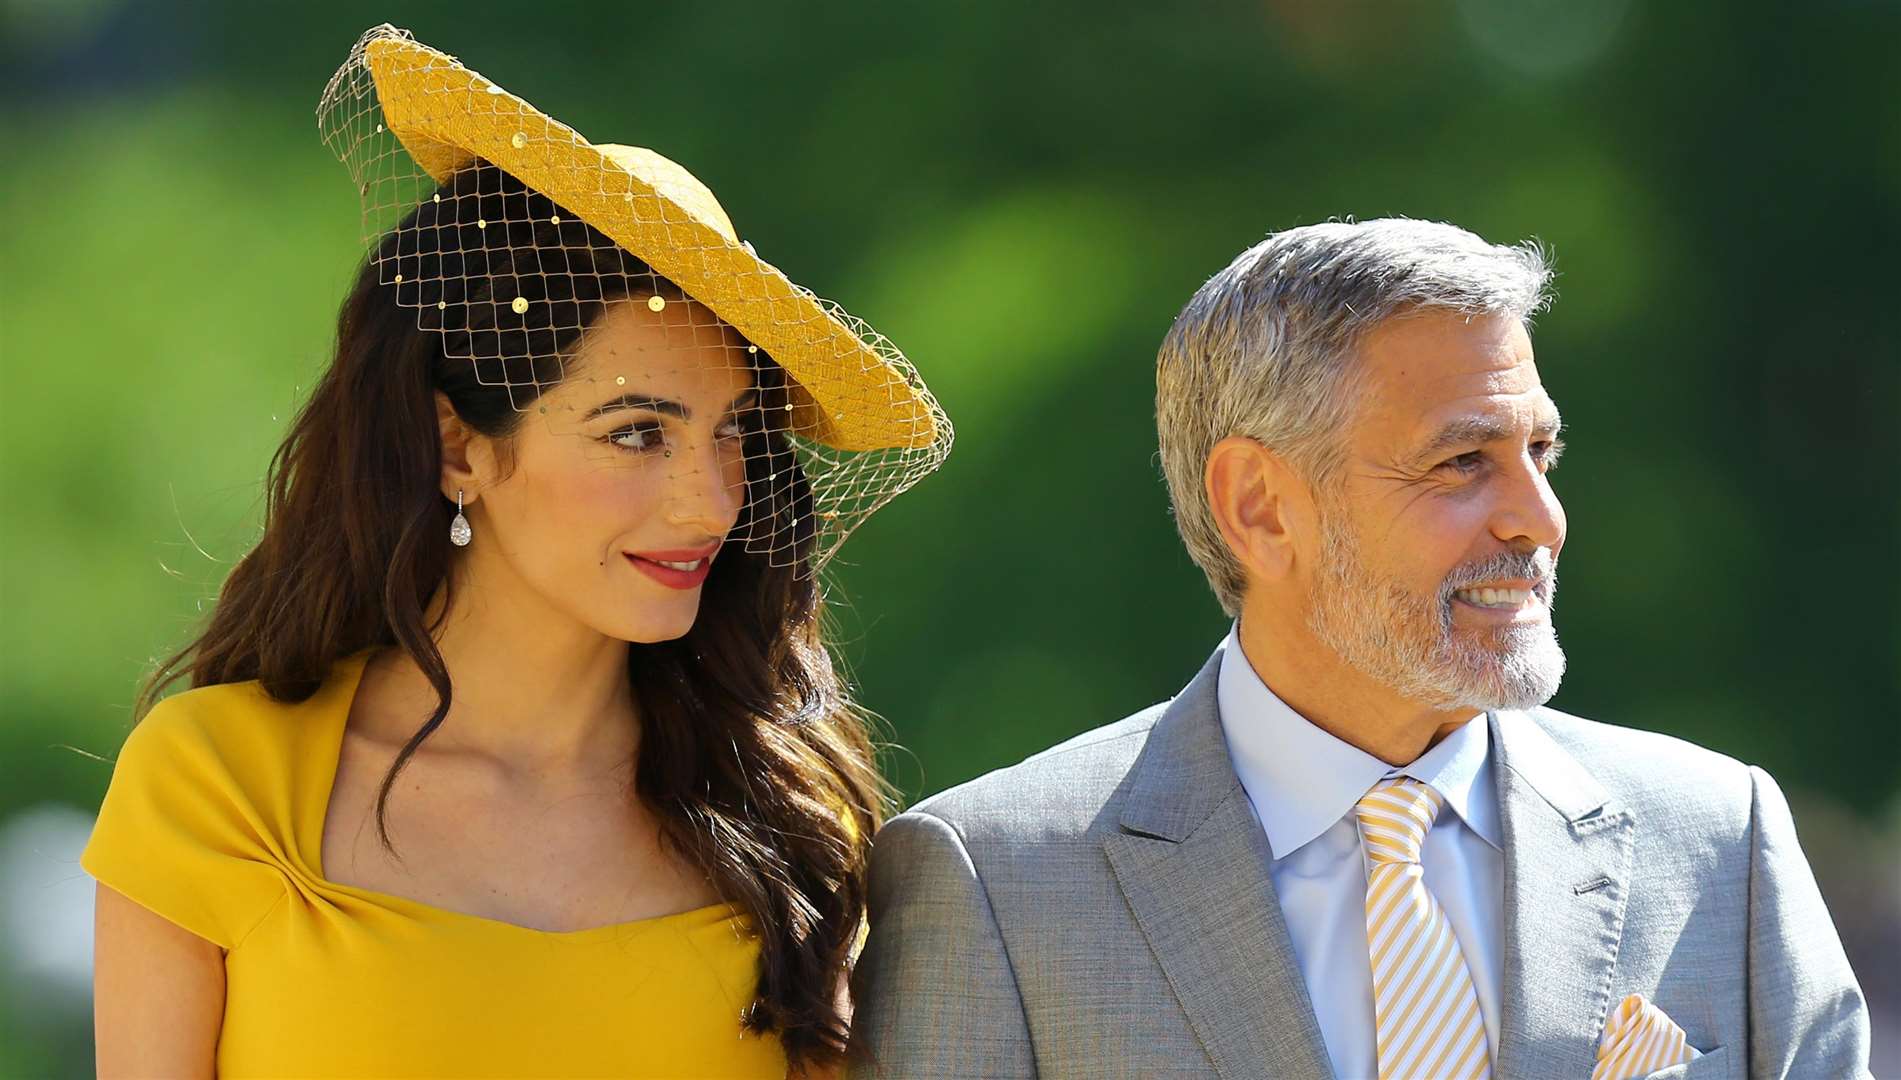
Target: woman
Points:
(513, 747)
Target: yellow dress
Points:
(214, 820)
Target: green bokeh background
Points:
(1022, 197)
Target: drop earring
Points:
(459, 532)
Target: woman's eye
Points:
(731, 429)
(644, 437)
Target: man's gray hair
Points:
(1265, 348)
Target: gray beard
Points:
(1407, 643)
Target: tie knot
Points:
(1395, 817)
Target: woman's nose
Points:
(705, 491)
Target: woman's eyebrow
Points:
(662, 405)
(639, 401)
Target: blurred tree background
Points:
(1022, 196)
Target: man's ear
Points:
(458, 472)
(1260, 503)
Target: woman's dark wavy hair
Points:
(753, 757)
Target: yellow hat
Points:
(854, 391)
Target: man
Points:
(1356, 844)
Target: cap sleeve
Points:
(176, 833)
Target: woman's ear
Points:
(458, 472)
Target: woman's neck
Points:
(532, 686)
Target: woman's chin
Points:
(654, 629)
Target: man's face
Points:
(1440, 536)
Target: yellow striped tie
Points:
(1425, 1010)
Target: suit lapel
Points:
(1192, 863)
(1567, 880)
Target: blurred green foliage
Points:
(1022, 196)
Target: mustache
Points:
(1540, 567)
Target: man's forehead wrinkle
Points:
(1415, 389)
(1511, 375)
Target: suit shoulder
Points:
(1660, 776)
(1054, 793)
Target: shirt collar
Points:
(1302, 780)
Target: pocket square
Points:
(1638, 1040)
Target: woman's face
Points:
(611, 499)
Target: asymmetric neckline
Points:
(214, 821)
(333, 721)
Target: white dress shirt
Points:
(1303, 783)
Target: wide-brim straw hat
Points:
(852, 390)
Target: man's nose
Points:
(1529, 513)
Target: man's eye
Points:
(640, 437)
(1465, 462)
(1547, 453)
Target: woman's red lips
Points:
(691, 565)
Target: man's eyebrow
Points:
(1478, 430)
(661, 405)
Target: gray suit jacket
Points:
(1104, 909)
